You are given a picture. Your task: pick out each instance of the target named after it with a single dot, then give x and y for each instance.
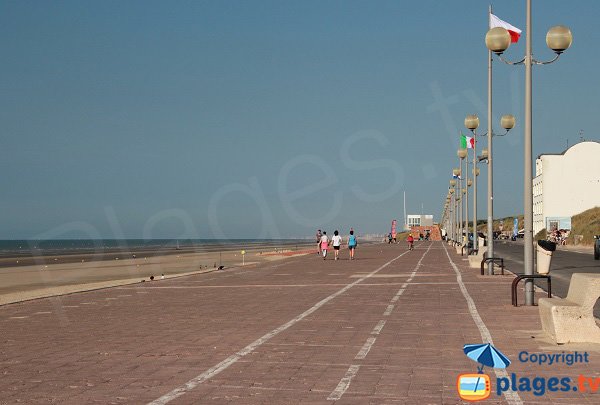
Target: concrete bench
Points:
(475, 260)
(572, 319)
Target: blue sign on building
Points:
(553, 223)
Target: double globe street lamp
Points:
(466, 192)
(452, 215)
(456, 173)
(472, 123)
(462, 154)
(497, 40)
(446, 216)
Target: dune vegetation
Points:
(584, 226)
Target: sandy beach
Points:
(58, 275)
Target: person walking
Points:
(324, 245)
(319, 234)
(336, 241)
(410, 241)
(352, 244)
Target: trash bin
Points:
(545, 248)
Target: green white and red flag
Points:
(467, 142)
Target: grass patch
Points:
(541, 235)
(586, 224)
(402, 236)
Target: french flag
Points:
(514, 32)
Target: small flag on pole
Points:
(514, 32)
(466, 142)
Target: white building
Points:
(419, 220)
(565, 184)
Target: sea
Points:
(21, 248)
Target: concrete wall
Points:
(434, 232)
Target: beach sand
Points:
(51, 278)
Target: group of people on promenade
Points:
(323, 243)
(558, 236)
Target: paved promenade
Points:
(387, 328)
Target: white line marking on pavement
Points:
(216, 369)
(412, 275)
(371, 341)
(397, 296)
(185, 287)
(18, 317)
(337, 393)
(362, 353)
(382, 276)
(377, 329)
(389, 309)
(512, 397)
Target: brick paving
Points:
(300, 331)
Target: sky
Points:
(267, 119)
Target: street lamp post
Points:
(458, 215)
(447, 216)
(452, 210)
(462, 154)
(472, 123)
(507, 122)
(469, 184)
(558, 39)
(453, 204)
(475, 175)
(457, 174)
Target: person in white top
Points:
(324, 244)
(336, 242)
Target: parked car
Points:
(597, 247)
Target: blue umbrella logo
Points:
(486, 355)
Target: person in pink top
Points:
(324, 244)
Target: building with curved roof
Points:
(565, 184)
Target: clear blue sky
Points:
(244, 119)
